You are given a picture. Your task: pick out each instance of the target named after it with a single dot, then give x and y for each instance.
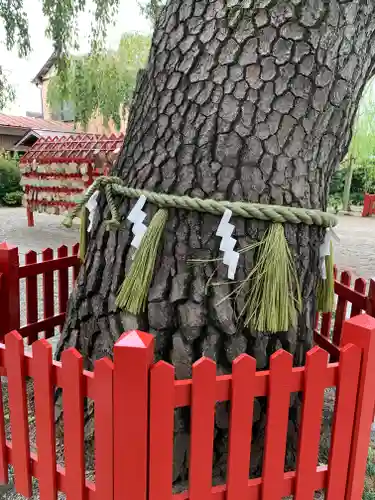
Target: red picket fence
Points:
(55, 293)
(134, 421)
(43, 313)
(360, 298)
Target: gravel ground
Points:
(47, 233)
(355, 252)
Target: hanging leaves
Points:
(62, 29)
(102, 82)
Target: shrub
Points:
(13, 199)
(9, 177)
(363, 181)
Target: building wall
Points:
(8, 141)
(95, 126)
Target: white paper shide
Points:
(137, 216)
(228, 243)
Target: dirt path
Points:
(356, 250)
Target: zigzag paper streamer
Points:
(228, 243)
(137, 216)
(91, 206)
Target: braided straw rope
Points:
(272, 213)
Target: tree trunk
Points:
(240, 101)
(348, 184)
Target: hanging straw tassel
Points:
(274, 297)
(83, 234)
(326, 293)
(133, 294)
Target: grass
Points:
(369, 491)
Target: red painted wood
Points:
(73, 394)
(10, 289)
(63, 280)
(359, 287)
(133, 355)
(3, 448)
(307, 458)
(104, 429)
(48, 291)
(161, 431)
(183, 388)
(48, 266)
(327, 345)
(30, 217)
(240, 429)
(202, 429)
(360, 331)
(31, 295)
(346, 397)
(370, 305)
(281, 365)
(40, 326)
(45, 418)
(347, 293)
(341, 309)
(77, 265)
(14, 362)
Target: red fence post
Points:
(360, 331)
(366, 206)
(133, 355)
(10, 290)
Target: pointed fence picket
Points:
(56, 285)
(38, 459)
(135, 403)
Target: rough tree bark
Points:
(240, 101)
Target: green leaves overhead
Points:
(362, 145)
(102, 82)
(62, 17)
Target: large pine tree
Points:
(251, 100)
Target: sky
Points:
(21, 72)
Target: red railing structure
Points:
(368, 205)
(56, 283)
(360, 298)
(134, 449)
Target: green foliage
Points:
(102, 82)
(9, 176)
(369, 491)
(13, 199)
(151, 9)
(363, 181)
(62, 17)
(362, 145)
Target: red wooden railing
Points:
(50, 267)
(134, 449)
(55, 293)
(361, 299)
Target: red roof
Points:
(72, 148)
(34, 123)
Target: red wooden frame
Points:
(368, 205)
(134, 450)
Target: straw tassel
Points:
(274, 300)
(325, 293)
(133, 294)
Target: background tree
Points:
(102, 82)
(239, 101)
(362, 145)
(62, 29)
